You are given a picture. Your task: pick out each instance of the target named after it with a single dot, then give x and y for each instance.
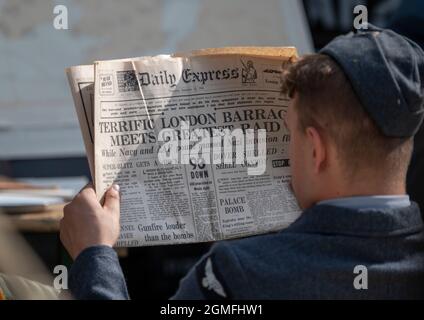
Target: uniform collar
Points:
(330, 219)
(370, 202)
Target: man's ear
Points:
(318, 148)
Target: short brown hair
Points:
(327, 102)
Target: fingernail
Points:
(116, 187)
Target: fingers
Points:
(88, 190)
(112, 199)
(85, 199)
(86, 223)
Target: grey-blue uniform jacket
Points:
(333, 251)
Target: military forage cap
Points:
(386, 71)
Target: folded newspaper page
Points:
(196, 141)
(81, 81)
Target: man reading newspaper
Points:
(355, 108)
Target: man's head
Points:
(355, 108)
(337, 149)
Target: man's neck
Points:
(364, 187)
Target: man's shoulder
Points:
(264, 261)
(242, 268)
(278, 249)
(265, 245)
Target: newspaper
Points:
(81, 81)
(197, 143)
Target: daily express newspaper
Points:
(197, 142)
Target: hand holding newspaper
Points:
(196, 141)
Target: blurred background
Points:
(40, 141)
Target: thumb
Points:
(112, 200)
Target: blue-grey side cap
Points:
(386, 71)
